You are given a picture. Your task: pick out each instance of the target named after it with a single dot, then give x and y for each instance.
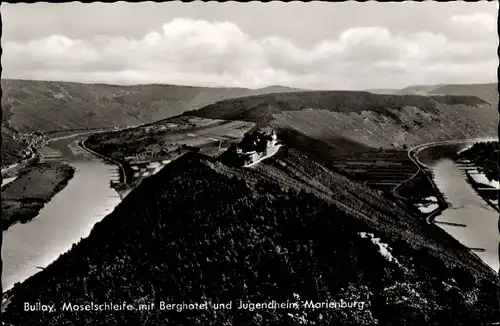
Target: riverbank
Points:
(481, 168)
(144, 150)
(420, 189)
(122, 187)
(36, 185)
(64, 220)
(487, 192)
(418, 193)
(463, 210)
(485, 156)
(426, 174)
(469, 219)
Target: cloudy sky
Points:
(348, 45)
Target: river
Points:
(468, 208)
(66, 219)
(88, 197)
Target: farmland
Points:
(380, 169)
(393, 173)
(21, 201)
(144, 150)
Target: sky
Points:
(314, 45)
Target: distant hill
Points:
(273, 89)
(46, 106)
(486, 91)
(374, 120)
(382, 91)
(288, 230)
(417, 90)
(410, 90)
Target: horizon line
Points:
(241, 87)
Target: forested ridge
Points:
(199, 230)
(260, 108)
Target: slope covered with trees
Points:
(375, 120)
(288, 230)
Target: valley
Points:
(291, 196)
(363, 135)
(259, 164)
(50, 107)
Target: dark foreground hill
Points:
(46, 106)
(288, 230)
(374, 120)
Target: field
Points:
(387, 170)
(23, 198)
(380, 169)
(147, 149)
(144, 150)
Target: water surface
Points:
(66, 219)
(466, 207)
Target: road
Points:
(78, 132)
(122, 169)
(50, 139)
(19, 165)
(10, 167)
(423, 168)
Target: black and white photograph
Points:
(226, 163)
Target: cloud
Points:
(199, 52)
(476, 21)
